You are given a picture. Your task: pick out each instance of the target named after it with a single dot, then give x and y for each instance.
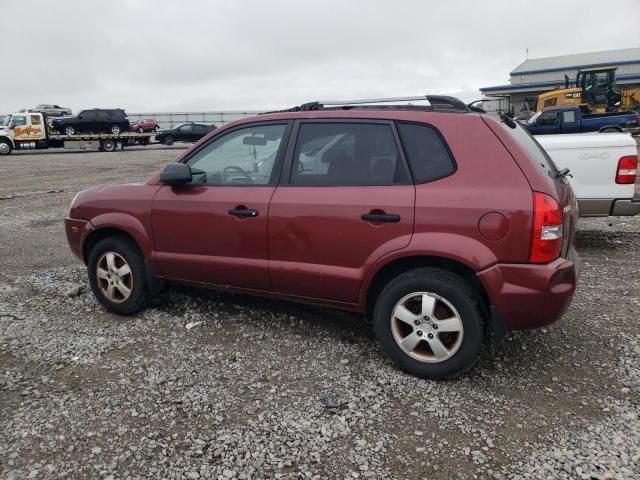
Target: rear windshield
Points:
(534, 150)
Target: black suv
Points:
(185, 132)
(96, 120)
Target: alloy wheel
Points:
(114, 277)
(426, 327)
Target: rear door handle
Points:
(243, 212)
(381, 217)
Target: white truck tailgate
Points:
(593, 160)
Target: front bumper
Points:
(77, 232)
(530, 295)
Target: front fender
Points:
(9, 139)
(128, 224)
(461, 249)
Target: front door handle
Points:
(243, 212)
(381, 217)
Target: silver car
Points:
(53, 110)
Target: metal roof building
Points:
(537, 75)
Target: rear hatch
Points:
(539, 169)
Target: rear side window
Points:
(428, 155)
(533, 149)
(569, 116)
(347, 154)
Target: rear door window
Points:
(569, 116)
(347, 154)
(426, 151)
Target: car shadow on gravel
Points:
(613, 240)
(339, 323)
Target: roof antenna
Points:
(527, 53)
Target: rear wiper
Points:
(508, 120)
(563, 173)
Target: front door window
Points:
(242, 157)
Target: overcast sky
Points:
(165, 55)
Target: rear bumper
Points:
(605, 207)
(529, 295)
(626, 207)
(77, 232)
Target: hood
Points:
(131, 198)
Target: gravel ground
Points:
(211, 385)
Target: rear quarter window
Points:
(428, 155)
(533, 149)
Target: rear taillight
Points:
(546, 237)
(627, 169)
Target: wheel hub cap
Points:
(427, 327)
(114, 277)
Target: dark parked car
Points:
(97, 120)
(445, 227)
(185, 132)
(145, 125)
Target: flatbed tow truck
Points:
(31, 131)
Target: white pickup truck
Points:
(603, 168)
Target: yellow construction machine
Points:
(596, 89)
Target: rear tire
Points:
(610, 130)
(445, 314)
(108, 145)
(117, 275)
(140, 130)
(169, 140)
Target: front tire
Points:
(5, 147)
(115, 129)
(69, 130)
(117, 275)
(428, 321)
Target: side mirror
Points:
(176, 174)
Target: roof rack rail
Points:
(433, 102)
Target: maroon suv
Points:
(445, 226)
